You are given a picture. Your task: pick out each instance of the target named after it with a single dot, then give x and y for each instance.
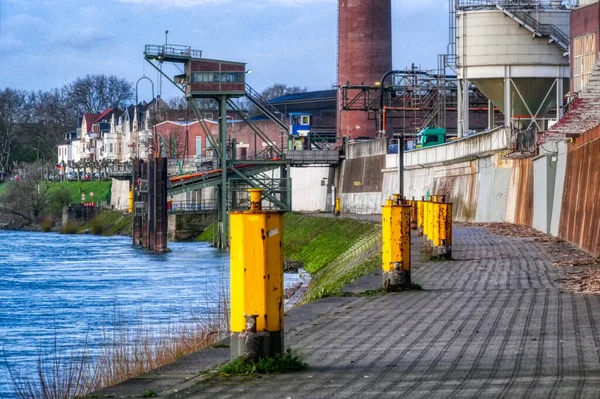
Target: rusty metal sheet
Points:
(580, 209)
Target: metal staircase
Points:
(269, 110)
(554, 35)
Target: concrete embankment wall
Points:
(361, 177)
(474, 173)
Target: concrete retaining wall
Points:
(312, 189)
(119, 194)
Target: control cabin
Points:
(202, 77)
(300, 124)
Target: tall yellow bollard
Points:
(395, 235)
(130, 201)
(256, 285)
(420, 215)
(338, 207)
(443, 249)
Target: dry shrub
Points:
(70, 228)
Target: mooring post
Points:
(395, 253)
(420, 215)
(256, 281)
(443, 246)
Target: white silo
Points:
(516, 52)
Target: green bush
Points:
(58, 199)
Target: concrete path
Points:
(492, 323)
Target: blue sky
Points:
(47, 43)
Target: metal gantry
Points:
(232, 176)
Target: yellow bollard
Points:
(256, 281)
(420, 215)
(338, 207)
(444, 247)
(396, 265)
(130, 201)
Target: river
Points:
(65, 287)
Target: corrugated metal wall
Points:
(580, 215)
(521, 192)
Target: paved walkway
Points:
(492, 323)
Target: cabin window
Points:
(216, 77)
(305, 120)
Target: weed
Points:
(376, 292)
(70, 228)
(97, 226)
(416, 287)
(219, 345)
(47, 225)
(149, 394)
(440, 258)
(290, 361)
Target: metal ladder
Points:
(269, 110)
(555, 35)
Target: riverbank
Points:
(493, 322)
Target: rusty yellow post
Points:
(435, 232)
(444, 247)
(420, 215)
(396, 265)
(256, 281)
(130, 201)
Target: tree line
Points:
(33, 123)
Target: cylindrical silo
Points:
(516, 53)
(364, 54)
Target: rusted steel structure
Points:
(580, 205)
(150, 205)
(364, 55)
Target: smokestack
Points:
(364, 54)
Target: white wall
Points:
(559, 186)
(119, 194)
(308, 192)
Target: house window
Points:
(111, 148)
(198, 146)
(584, 58)
(119, 149)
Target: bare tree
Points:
(13, 111)
(280, 89)
(94, 93)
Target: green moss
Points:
(331, 280)
(208, 234)
(290, 361)
(317, 241)
(110, 223)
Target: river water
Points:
(65, 287)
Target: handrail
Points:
(545, 30)
(161, 50)
(268, 109)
